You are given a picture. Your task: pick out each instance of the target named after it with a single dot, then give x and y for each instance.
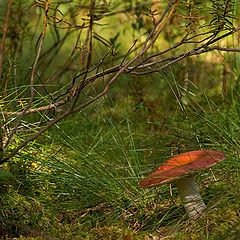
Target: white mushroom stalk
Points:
(190, 197)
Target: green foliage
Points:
(86, 184)
(222, 13)
(80, 179)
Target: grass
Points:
(80, 180)
(83, 183)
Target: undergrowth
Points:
(83, 182)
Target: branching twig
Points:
(129, 70)
(34, 66)
(140, 64)
(148, 43)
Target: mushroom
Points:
(181, 169)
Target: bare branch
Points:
(148, 43)
(42, 36)
(80, 76)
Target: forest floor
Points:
(82, 182)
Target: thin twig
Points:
(116, 68)
(149, 42)
(39, 49)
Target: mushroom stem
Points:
(190, 197)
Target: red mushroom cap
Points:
(182, 165)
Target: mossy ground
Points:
(87, 188)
